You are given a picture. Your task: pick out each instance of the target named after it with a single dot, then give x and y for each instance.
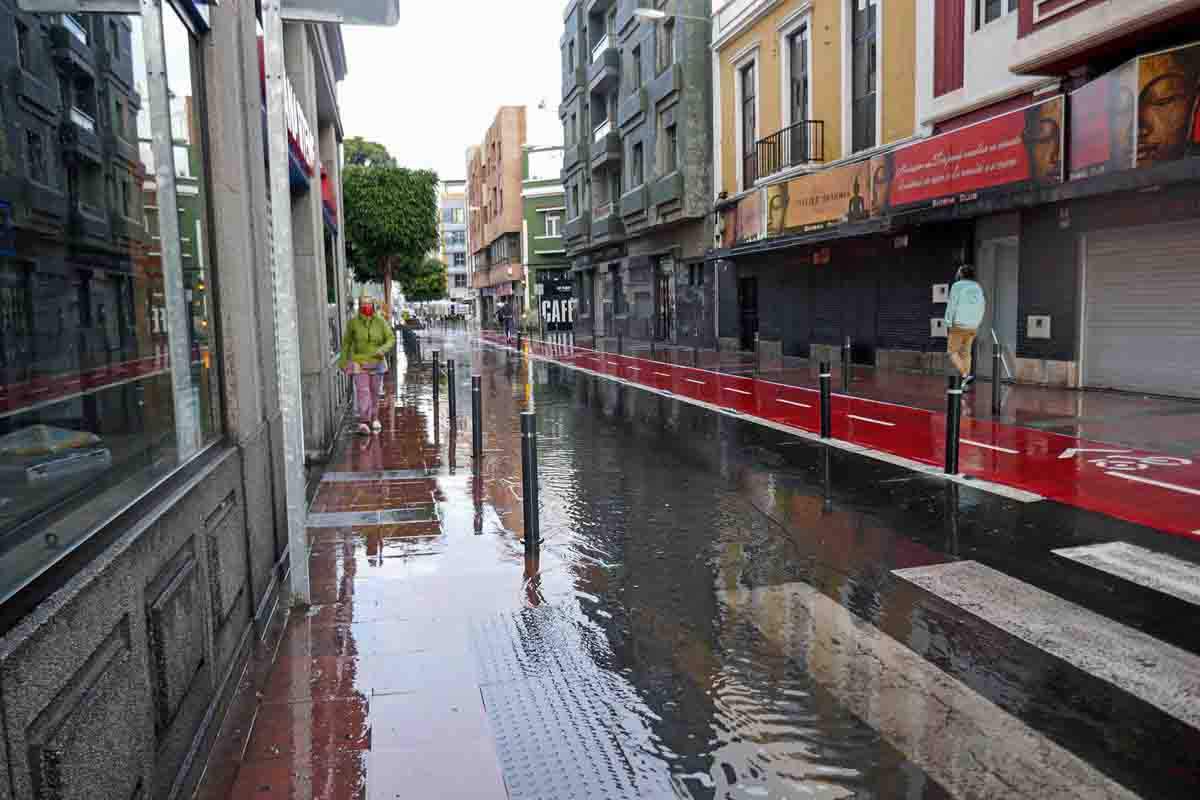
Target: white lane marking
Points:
(635, 369)
(875, 421)
(663, 374)
(693, 380)
(1151, 482)
(615, 364)
(1072, 451)
(793, 403)
(739, 391)
(991, 447)
(1156, 571)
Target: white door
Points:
(1141, 316)
(998, 264)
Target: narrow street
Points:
(721, 609)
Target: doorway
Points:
(748, 311)
(664, 293)
(998, 263)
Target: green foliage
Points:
(391, 220)
(427, 283)
(361, 152)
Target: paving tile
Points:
(302, 678)
(449, 712)
(313, 730)
(343, 777)
(447, 770)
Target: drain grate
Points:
(565, 729)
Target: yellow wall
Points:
(899, 68)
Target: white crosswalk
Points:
(1157, 571)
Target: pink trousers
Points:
(366, 396)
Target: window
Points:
(666, 44)
(618, 293)
(553, 225)
(114, 37)
(748, 80)
(460, 259)
(460, 281)
(35, 147)
(991, 10)
(458, 216)
(638, 172)
(798, 75)
(23, 46)
(573, 130)
(670, 151)
(571, 56)
(695, 275)
(635, 69)
(864, 74)
(574, 209)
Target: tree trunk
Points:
(387, 288)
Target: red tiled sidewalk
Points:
(372, 692)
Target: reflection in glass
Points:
(86, 409)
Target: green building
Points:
(549, 296)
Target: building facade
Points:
(452, 211)
(549, 289)
(144, 527)
(1027, 142)
(637, 171)
(495, 171)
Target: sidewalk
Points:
(372, 693)
(1162, 424)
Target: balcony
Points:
(118, 147)
(606, 224)
(794, 146)
(667, 189)
(88, 222)
(44, 98)
(69, 42)
(600, 47)
(634, 201)
(578, 228)
(574, 79)
(605, 70)
(572, 155)
(79, 136)
(633, 108)
(607, 147)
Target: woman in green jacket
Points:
(365, 346)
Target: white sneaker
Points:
(376, 426)
(363, 429)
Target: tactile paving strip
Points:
(565, 729)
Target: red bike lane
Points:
(1146, 488)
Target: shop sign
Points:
(300, 136)
(1023, 147)
(557, 303)
(1145, 112)
(818, 201)
(749, 217)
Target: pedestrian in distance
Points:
(365, 346)
(964, 313)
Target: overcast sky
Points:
(429, 88)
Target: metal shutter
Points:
(1142, 309)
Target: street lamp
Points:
(657, 14)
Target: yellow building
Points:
(804, 84)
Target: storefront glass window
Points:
(87, 410)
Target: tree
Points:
(391, 222)
(364, 153)
(427, 283)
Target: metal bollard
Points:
(953, 422)
(997, 365)
(620, 344)
(437, 389)
(826, 375)
(477, 418)
(451, 386)
(695, 356)
(529, 469)
(757, 354)
(846, 365)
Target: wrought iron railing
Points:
(800, 143)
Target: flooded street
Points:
(719, 610)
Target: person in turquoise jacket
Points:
(365, 346)
(964, 314)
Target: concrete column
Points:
(331, 160)
(239, 243)
(308, 253)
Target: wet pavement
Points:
(720, 610)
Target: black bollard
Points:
(450, 387)
(620, 344)
(529, 477)
(476, 419)
(846, 365)
(437, 389)
(518, 340)
(953, 422)
(757, 354)
(997, 365)
(826, 376)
